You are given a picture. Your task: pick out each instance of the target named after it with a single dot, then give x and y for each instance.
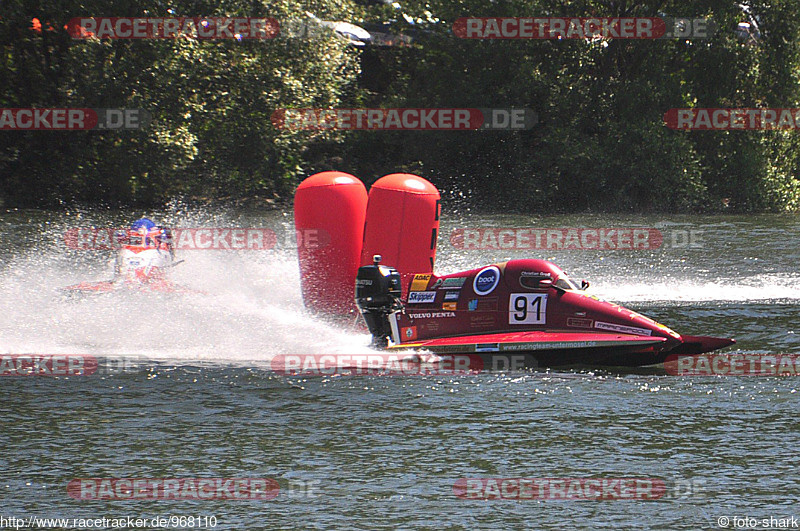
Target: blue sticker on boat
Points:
(486, 280)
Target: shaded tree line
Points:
(600, 144)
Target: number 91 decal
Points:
(527, 308)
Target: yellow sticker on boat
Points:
(420, 282)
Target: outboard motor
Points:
(378, 291)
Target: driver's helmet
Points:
(143, 223)
(145, 234)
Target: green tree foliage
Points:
(600, 144)
(211, 102)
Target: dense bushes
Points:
(600, 144)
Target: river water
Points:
(196, 398)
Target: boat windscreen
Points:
(564, 282)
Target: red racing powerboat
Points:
(529, 309)
(519, 313)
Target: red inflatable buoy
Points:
(402, 224)
(329, 212)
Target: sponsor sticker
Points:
(548, 345)
(431, 326)
(451, 306)
(622, 328)
(482, 321)
(487, 347)
(420, 282)
(453, 282)
(451, 295)
(483, 305)
(409, 333)
(534, 274)
(421, 297)
(579, 323)
(431, 315)
(486, 280)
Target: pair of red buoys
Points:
(340, 227)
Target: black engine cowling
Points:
(378, 292)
